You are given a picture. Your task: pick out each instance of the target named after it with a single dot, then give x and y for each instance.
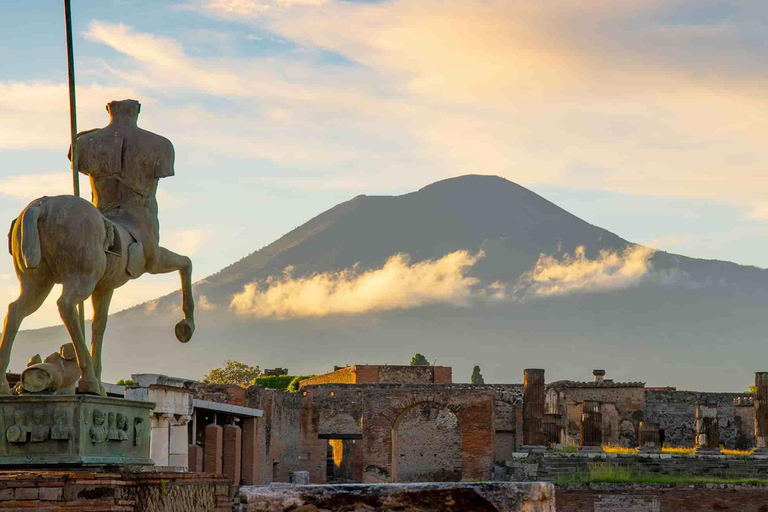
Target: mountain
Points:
(662, 318)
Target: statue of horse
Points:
(93, 249)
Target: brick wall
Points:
(279, 437)
(60, 491)
(221, 393)
(383, 374)
(661, 498)
(373, 411)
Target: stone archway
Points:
(426, 445)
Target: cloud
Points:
(399, 284)
(36, 114)
(759, 212)
(610, 270)
(32, 186)
(186, 242)
(495, 86)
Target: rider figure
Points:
(125, 164)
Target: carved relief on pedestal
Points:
(39, 430)
(18, 432)
(60, 430)
(98, 429)
(122, 427)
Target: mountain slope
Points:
(687, 314)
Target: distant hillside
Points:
(673, 320)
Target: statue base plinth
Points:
(73, 430)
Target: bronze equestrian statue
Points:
(91, 249)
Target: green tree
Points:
(477, 377)
(234, 372)
(419, 360)
(752, 390)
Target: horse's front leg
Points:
(100, 299)
(169, 261)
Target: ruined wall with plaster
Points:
(280, 427)
(622, 406)
(674, 411)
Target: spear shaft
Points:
(73, 125)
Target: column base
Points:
(760, 451)
(532, 448)
(707, 451)
(649, 449)
(591, 449)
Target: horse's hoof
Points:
(89, 386)
(184, 330)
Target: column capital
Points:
(178, 420)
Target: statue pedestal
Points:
(73, 430)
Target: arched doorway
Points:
(426, 443)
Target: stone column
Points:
(591, 429)
(159, 437)
(213, 449)
(761, 413)
(178, 454)
(195, 458)
(252, 442)
(551, 427)
(707, 439)
(232, 453)
(649, 441)
(534, 396)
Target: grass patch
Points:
(678, 450)
(568, 448)
(741, 453)
(601, 472)
(614, 448)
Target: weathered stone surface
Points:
(426, 497)
(707, 438)
(73, 429)
(591, 428)
(661, 498)
(547, 467)
(534, 396)
(145, 380)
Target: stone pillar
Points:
(178, 453)
(707, 439)
(233, 438)
(252, 451)
(213, 449)
(761, 413)
(551, 427)
(649, 440)
(195, 457)
(534, 396)
(159, 437)
(591, 429)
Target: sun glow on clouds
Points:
(577, 274)
(397, 285)
(401, 285)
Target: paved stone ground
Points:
(417, 497)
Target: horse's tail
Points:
(31, 254)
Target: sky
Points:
(645, 117)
